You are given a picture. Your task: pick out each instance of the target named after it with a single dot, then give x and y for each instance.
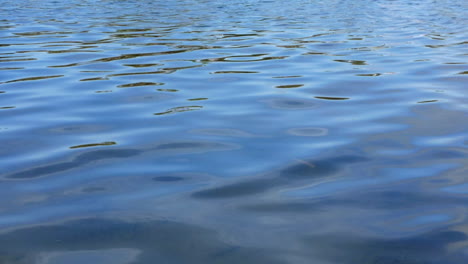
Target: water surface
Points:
(205, 131)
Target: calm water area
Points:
(241, 131)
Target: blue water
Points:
(205, 131)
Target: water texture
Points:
(208, 131)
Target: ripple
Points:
(78, 161)
(427, 101)
(308, 131)
(301, 171)
(235, 72)
(426, 247)
(136, 73)
(190, 146)
(16, 59)
(168, 178)
(198, 99)
(11, 68)
(136, 84)
(167, 90)
(286, 77)
(222, 132)
(118, 256)
(137, 55)
(291, 103)
(369, 74)
(142, 65)
(99, 240)
(251, 187)
(107, 143)
(85, 158)
(35, 78)
(337, 126)
(289, 86)
(146, 97)
(180, 109)
(94, 79)
(7, 107)
(332, 98)
(353, 62)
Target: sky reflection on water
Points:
(205, 131)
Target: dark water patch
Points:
(94, 79)
(369, 199)
(128, 85)
(193, 146)
(427, 101)
(319, 168)
(251, 187)
(304, 170)
(142, 65)
(157, 240)
(180, 109)
(285, 77)
(197, 99)
(238, 72)
(168, 178)
(332, 98)
(137, 55)
(443, 153)
(35, 78)
(76, 162)
(290, 46)
(106, 154)
(291, 103)
(437, 46)
(239, 35)
(64, 65)
(353, 62)
(244, 58)
(93, 189)
(289, 86)
(134, 35)
(431, 247)
(7, 107)
(107, 143)
(120, 57)
(16, 60)
(133, 30)
(315, 53)
(174, 69)
(369, 74)
(85, 158)
(40, 33)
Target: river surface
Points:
(243, 131)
